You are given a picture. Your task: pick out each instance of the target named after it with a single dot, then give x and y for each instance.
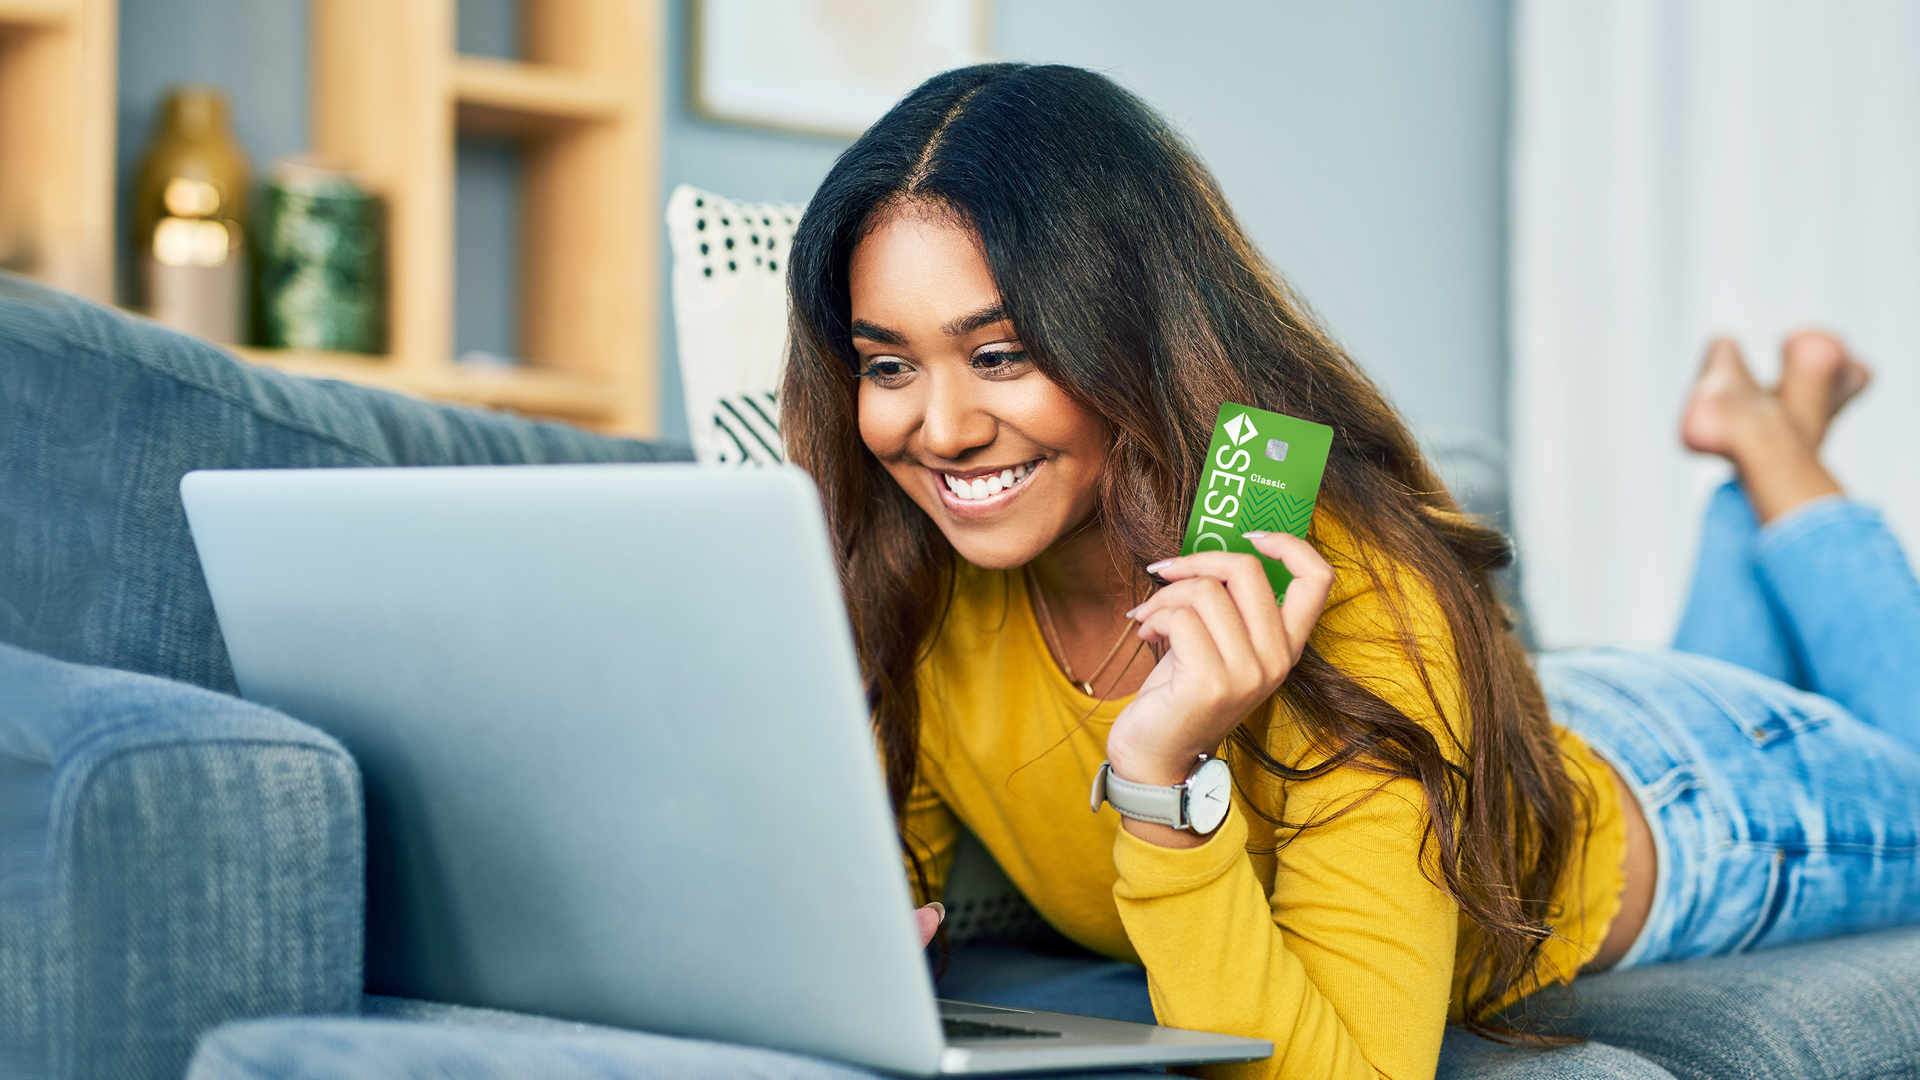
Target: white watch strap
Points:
(1142, 802)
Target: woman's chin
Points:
(995, 553)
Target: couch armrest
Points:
(170, 859)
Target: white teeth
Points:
(983, 487)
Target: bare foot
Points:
(1817, 379)
(1724, 401)
(1731, 415)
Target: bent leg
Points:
(1853, 607)
(1778, 816)
(1729, 614)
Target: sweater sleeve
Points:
(1346, 968)
(1344, 958)
(932, 833)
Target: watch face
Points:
(1209, 793)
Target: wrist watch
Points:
(1199, 805)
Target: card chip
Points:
(1276, 450)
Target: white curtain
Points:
(1683, 168)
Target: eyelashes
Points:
(1004, 363)
(1002, 359)
(884, 372)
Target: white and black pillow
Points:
(730, 311)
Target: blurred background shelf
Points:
(35, 13)
(513, 98)
(57, 75)
(589, 402)
(390, 100)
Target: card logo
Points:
(1240, 429)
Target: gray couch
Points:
(181, 873)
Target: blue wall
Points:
(1361, 141)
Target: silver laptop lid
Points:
(616, 751)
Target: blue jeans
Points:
(1776, 748)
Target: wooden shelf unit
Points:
(389, 99)
(541, 392)
(57, 78)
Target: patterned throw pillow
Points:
(730, 312)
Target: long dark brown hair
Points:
(1132, 287)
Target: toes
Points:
(1724, 392)
(1816, 363)
(1817, 379)
(1854, 377)
(1815, 349)
(1725, 368)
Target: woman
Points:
(1018, 303)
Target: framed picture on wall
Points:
(826, 66)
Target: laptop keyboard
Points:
(969, 1029)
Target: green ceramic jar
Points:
(322, 279)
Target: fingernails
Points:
(1134, 614)
(1154, 568)
(939, 910)
(1256, 534)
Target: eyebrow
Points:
(967, 324)
(960, 327)
(874, 332)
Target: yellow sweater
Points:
(1333, 944)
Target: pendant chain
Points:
(1059, 648)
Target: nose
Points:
(956, 421)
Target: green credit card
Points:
(1262, 474)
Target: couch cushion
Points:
(1076, 981)
(100, 415)
(480, 1043)
(407, 1039)
(1839, 1009)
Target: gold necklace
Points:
(1053, 638)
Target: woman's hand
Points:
(928, 919)
(1229, 648)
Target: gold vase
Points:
(189, 201)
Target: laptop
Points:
(617, 757)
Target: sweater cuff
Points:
(1148, 870)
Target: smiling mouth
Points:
(986, 485)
